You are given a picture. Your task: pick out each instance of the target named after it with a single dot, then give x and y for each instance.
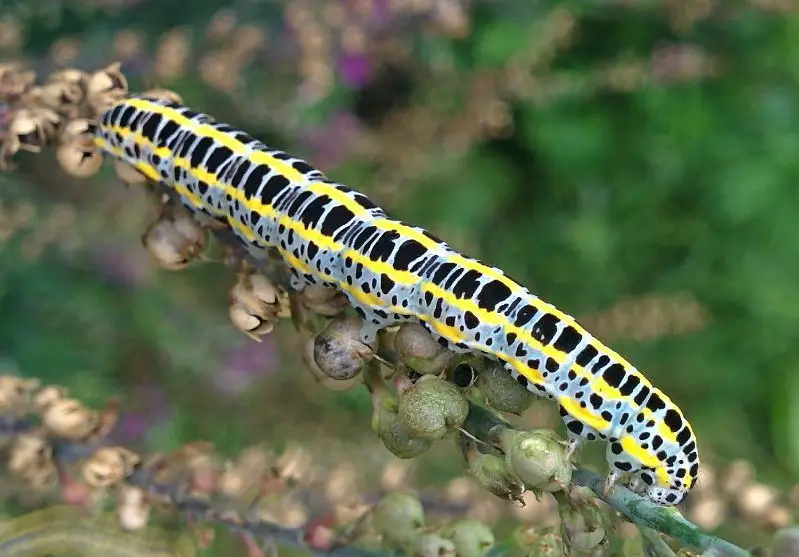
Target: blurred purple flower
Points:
(329, 143)
(381, 13)
(354, 69)
(246, 364)
(147, 406)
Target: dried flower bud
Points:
(76, 152)
(132, 509)
(492, 473)
(64, 92)
(390, 429)
(432, 407)
(30, 130)
(14, 392)
(47, 396)
(254, 304)
(307, 356)
(470, 537)
(164, 95)
(70, 419)
(397, 517)
(30, 458)
(338, 350)
(501, 391)
(584, 525)
(175, 239)
(431, 545)
(419, 350)
(323, 300)
(106, 87)
(538, 458)
(108, 466)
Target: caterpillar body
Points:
(393, 272)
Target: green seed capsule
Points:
(583, 525)
(397, 517)
(431, 407)
(392, 432)
(419, 350)
(501, 391)
(431, 545)
(538, 458)
(492, 474)
(471, 537)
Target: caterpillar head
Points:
(665, 496)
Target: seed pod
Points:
(397, 517)
(390, 429)
(15, 393)
(308, 359)
(338, 350)
(76, 153)
(323, 300)
(64, 92)
(70, 419)
(128, 174)
(470, 537)
(544, 542)
(175, 239)
(108, 466)
(501, 391)
(419, 350)
(432, 407)
(583, 525)
(164, 95)
(538, 458)
(254, 304)
(30, 130)
(15, 81)
(431, 545)
(30, 458)
(492, 473)
(105, 87)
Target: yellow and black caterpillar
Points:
(393, 272)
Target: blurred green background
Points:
(633, 162)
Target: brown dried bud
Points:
(68, 418)
(47, 396)
(419, 350)
(76, 152)
(30, 130)
(254, 304)
(338, 350)
(164, 95)
(175, 239)
(30, 458)
(15, 393)
(108, 466)
(64, 92)
(106, 87)
(323, 300)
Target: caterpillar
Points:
(393, 272)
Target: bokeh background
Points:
(633, 162)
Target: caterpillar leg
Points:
(577, 432)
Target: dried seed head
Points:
(68, 418)
(397, 517)
(63, 95)
(470, 537)
(106, 87)
(323, 300)
(254, 304)
(15, 392)
(175, 239)
(132, 509)
(538, 458)
(419, 350)
(30, 459)
(163, 94)
(15, 81)
(338, 350)
(501, 391)
(432, 407)
(108, 466)
(76, 152)
(47, 396)
(30, 130)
